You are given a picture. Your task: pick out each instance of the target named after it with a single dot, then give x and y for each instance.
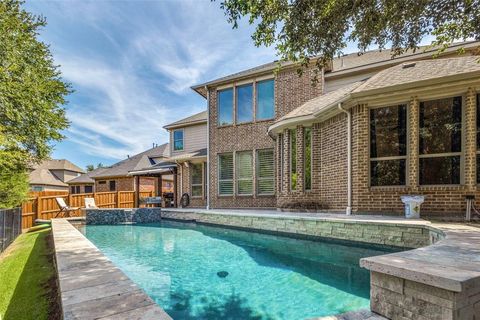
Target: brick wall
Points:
(126, 184)
(291, 91)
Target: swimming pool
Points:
(203, 272)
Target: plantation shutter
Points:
(225, 174)
(244, 173)
(265, 172)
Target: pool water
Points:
(204, 272)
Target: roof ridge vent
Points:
(408, 65)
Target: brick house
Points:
(53, 175)
(371, 130)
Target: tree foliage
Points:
(32, 95)
(301, 29)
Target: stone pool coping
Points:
(91, 286)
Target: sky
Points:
(131, 65)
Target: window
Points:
(293, 159)
(112, 185)
(282, 161)
(478, 138)
(102, 182)
(75, 189)
(225, 107)
(178, 140)
(308, 158)
(88, 189)
(197, 179)
(244, 172)
(265, 100)
(225, 174)
(440, 142)
(244, 97)
(265, 172)
(388, 145)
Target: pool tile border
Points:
(91, 286)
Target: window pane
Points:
(197, 171)
(225, 107)
(244, 172)
(197, 191)
(388, 131)
(178, 140)
(112, 185)
(441, 126)
(293, 159)
(88, 189)
(225, 165)
(265, 173)
(387, 172)
(308, 158)
(440, 170)
(244, 103)
(265, 99)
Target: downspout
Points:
(207, 187)
(349, 158)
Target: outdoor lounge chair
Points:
(64, 208)
(90, 203)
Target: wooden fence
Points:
(46, 207)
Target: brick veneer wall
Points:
(126, 184)
(291, 91)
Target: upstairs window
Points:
(307, 143)
(244, 97)
(265, 100)
(197, 180)
(293, 159)
(178, 140)
(265, 172)
(225, 107)
(244, 172)
(388, 145)
(225, 174)
(440, 141)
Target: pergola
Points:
(158, 170)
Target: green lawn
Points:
(27, 283)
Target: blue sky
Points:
(131, 64)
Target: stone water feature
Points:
(122, 215)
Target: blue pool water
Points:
(180, 265)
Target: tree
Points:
(32, 95)
(91, 167)
(301, 29)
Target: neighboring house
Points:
(188, 149)
(371, 130)
(117, 177)
(53, 175)
(85, 182)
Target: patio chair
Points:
(90, 203)
(64, 208)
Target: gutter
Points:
(207, 187)
(348, 210)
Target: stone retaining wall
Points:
(390, 234)
(119, 215)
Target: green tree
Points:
(301, 29)
(91, 167)
(32, 95)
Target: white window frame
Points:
(226, 180)
(237, 176)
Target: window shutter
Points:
(245, 173)
(266, 172)
(225, 181)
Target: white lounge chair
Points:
(90, 203)
(64, 208)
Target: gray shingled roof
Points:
(136, 162)
(42, 176)
(414, 72)
(346, 62)
(59, 164)
(86, 177)
(193, 119)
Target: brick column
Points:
(316, 157)
(286, 162)
(360, 155)
(300, 166)
(470, 150)
(413, 144)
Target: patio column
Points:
(175, 189)
(285, 179)
(159, 186)
(413, 143)
(137, 191)
(470, 140)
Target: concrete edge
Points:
(91, 286)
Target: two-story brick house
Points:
(372, 129)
